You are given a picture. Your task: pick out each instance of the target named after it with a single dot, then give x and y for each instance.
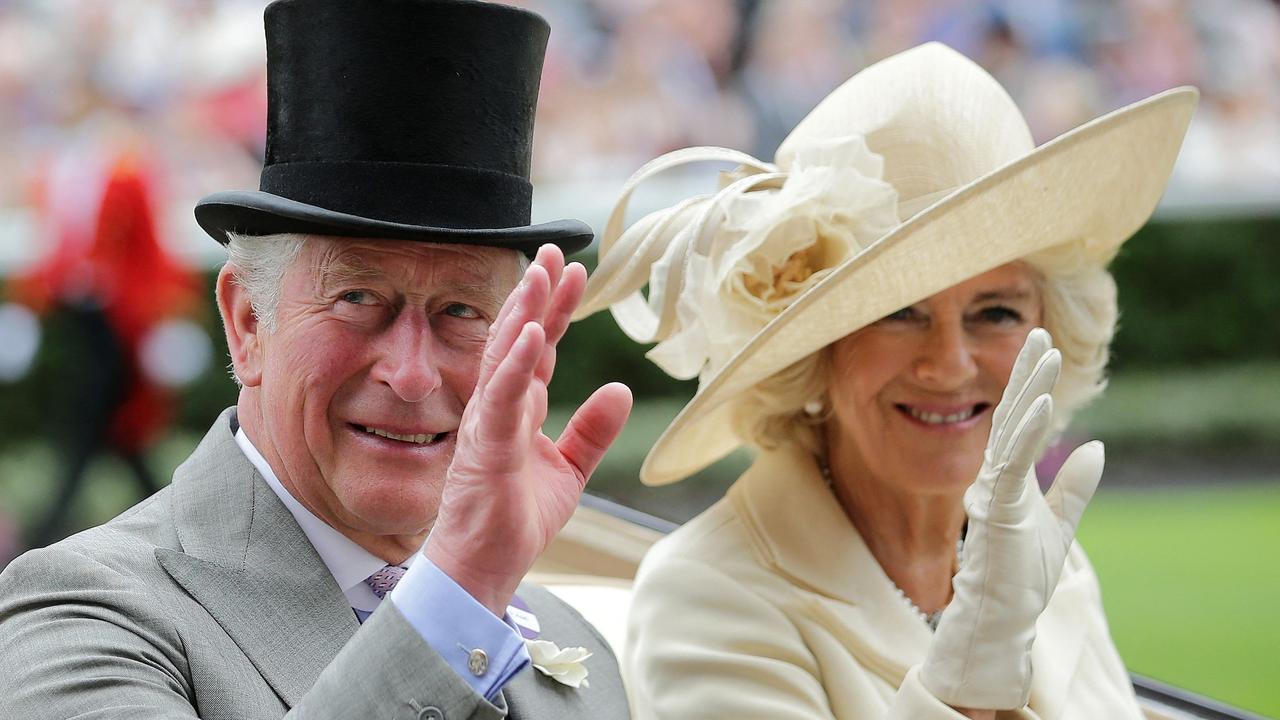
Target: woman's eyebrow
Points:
(1004, 294)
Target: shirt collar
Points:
(349, 563)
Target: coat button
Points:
(430, 712)
(478, 662)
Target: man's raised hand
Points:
(510, 488)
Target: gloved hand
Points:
(1015, 547)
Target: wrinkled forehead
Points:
(411, 264)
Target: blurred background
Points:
(116, 115)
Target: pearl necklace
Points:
(929, 619)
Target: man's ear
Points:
(241, 326)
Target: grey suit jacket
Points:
(207, 600)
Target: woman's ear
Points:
(241, 326)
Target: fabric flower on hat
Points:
(732, 261)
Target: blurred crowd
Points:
(180, 83)
(628, 79)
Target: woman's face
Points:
(912, 394)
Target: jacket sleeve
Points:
(702, 645)
(81, 639)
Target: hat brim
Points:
(253, 212)
(1095, 185)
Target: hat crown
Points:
(937, 119)
(441, 82)
(398, 119)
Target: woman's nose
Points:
(946, 360)
(408, 364)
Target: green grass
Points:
(1191, 584)
(1236, 404)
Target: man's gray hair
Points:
(258, 264)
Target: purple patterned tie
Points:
(384, 581)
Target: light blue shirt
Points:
(451, 621)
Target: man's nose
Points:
(408, 362)
(946, 359)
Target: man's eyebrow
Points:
(339, 270)
(478, 289)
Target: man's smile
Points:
(406, 436)
(417, 438)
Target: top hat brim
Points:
(256, 213)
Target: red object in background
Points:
(120, 266)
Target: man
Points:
(393, 386)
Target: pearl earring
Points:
(813, 408)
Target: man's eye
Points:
(459, 310)
(356, 297)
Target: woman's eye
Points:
(903, 315)
(459, 310)
(1000, 315)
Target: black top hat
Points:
(405, 119)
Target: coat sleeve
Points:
(84, 640)
(702, 645)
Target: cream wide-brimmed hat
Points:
(916, 174)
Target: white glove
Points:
(1015, 547)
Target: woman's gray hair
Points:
(258, 264)
(1080, 312)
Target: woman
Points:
(863, 312)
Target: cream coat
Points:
(769, 605)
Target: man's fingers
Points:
(547, 363)
(551, 258)
(1075, 484)
(502, 399)
(564, 301)
(527, 303)
(507, 305)
(594, 427)
(559, 314)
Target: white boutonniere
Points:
(566, 665)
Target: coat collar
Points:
(799, 531)
(246, 561)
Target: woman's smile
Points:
(953, 418)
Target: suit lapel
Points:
(532, 694)
(801, 533)
(246, 561)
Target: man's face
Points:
(375, 353)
